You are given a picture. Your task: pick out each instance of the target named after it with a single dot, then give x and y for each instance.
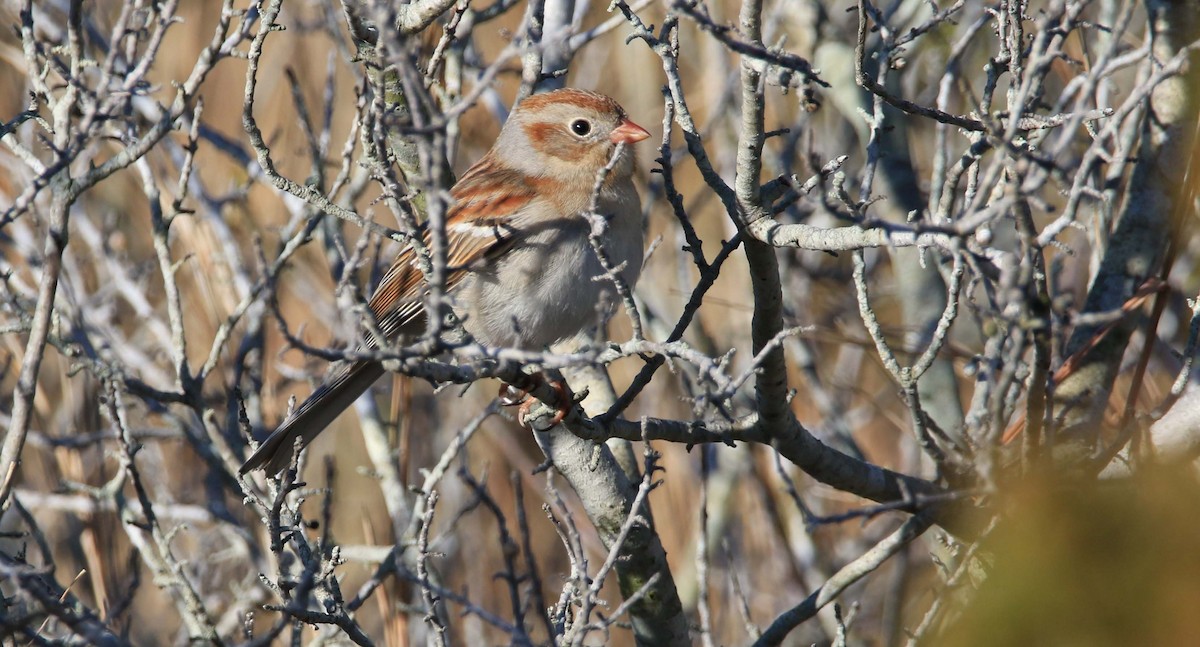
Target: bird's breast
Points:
(551, 284)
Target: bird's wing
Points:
(491, 205)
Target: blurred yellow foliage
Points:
(1109, 564)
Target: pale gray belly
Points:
(545, 289)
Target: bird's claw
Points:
(512, 395)
(564, 403)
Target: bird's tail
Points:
(313, 415)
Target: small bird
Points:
(522, 272)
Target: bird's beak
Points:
(628, 133)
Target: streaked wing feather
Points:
(483, 223)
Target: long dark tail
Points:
(313, 415)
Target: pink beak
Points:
(628, 133)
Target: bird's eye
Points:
(581, 127)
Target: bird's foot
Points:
(512, 395)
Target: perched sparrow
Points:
(522, 272)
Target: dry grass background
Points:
(764, 558)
